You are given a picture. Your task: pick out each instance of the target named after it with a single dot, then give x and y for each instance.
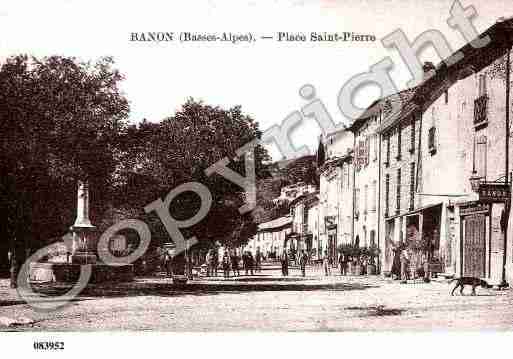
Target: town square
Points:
(267, 302)
(166, 193)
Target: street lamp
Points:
(475, 181)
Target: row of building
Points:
(429, 165)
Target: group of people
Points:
(284, 260)
(401, 262)
(250, 263)
(303, 259)
(212, 262)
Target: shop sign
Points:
(494, 192)
(474, 208)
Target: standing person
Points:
(166, 265)
(284, 263)
(396, 261)
(405, 263)
(215, 261)
(342, 261)
(235, 264)
(258, 261)
(251, 262)
(326, 264)
(208, 262)
(226, 265)
(303, 259)
(245, 266)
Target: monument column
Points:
(82, 229)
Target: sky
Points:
(263, 77)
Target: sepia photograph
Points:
(254, 167)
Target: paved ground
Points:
(268, 302)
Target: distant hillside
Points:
(282, 173)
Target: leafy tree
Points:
(59, 119)
(158, 157)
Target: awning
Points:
(275, 225)
(415, 211)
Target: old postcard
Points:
(255, 166)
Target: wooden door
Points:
(474, 246)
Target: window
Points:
(446, 96)
(387, 194)
(399, 143)
(367, 150)
(387, 160)
(480, 106)
(374, 194)
(375, 148)
(412, 186)
(412, 135)
(305, 220)
(480, 152)
(432, 140)
(360, 155)
(398, 204)
(480, 103)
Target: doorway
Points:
(474, 259)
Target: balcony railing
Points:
(480, 105)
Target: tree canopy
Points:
(60, 119)
(158, 157)
(64, 120)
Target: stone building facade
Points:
(366, 177)
(336, 194)
(305, 224)
(448, 138)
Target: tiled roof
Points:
(385, 105)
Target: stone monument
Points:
(83, 249)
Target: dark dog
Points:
(472, 281)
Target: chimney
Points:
(429, 69)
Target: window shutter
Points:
(368, 150)
(388, 150)
(398, 204)
(412, 135)
(412, 186)
(399, 142)
(387, 194)
(362, 153)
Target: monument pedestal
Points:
(82, 253)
